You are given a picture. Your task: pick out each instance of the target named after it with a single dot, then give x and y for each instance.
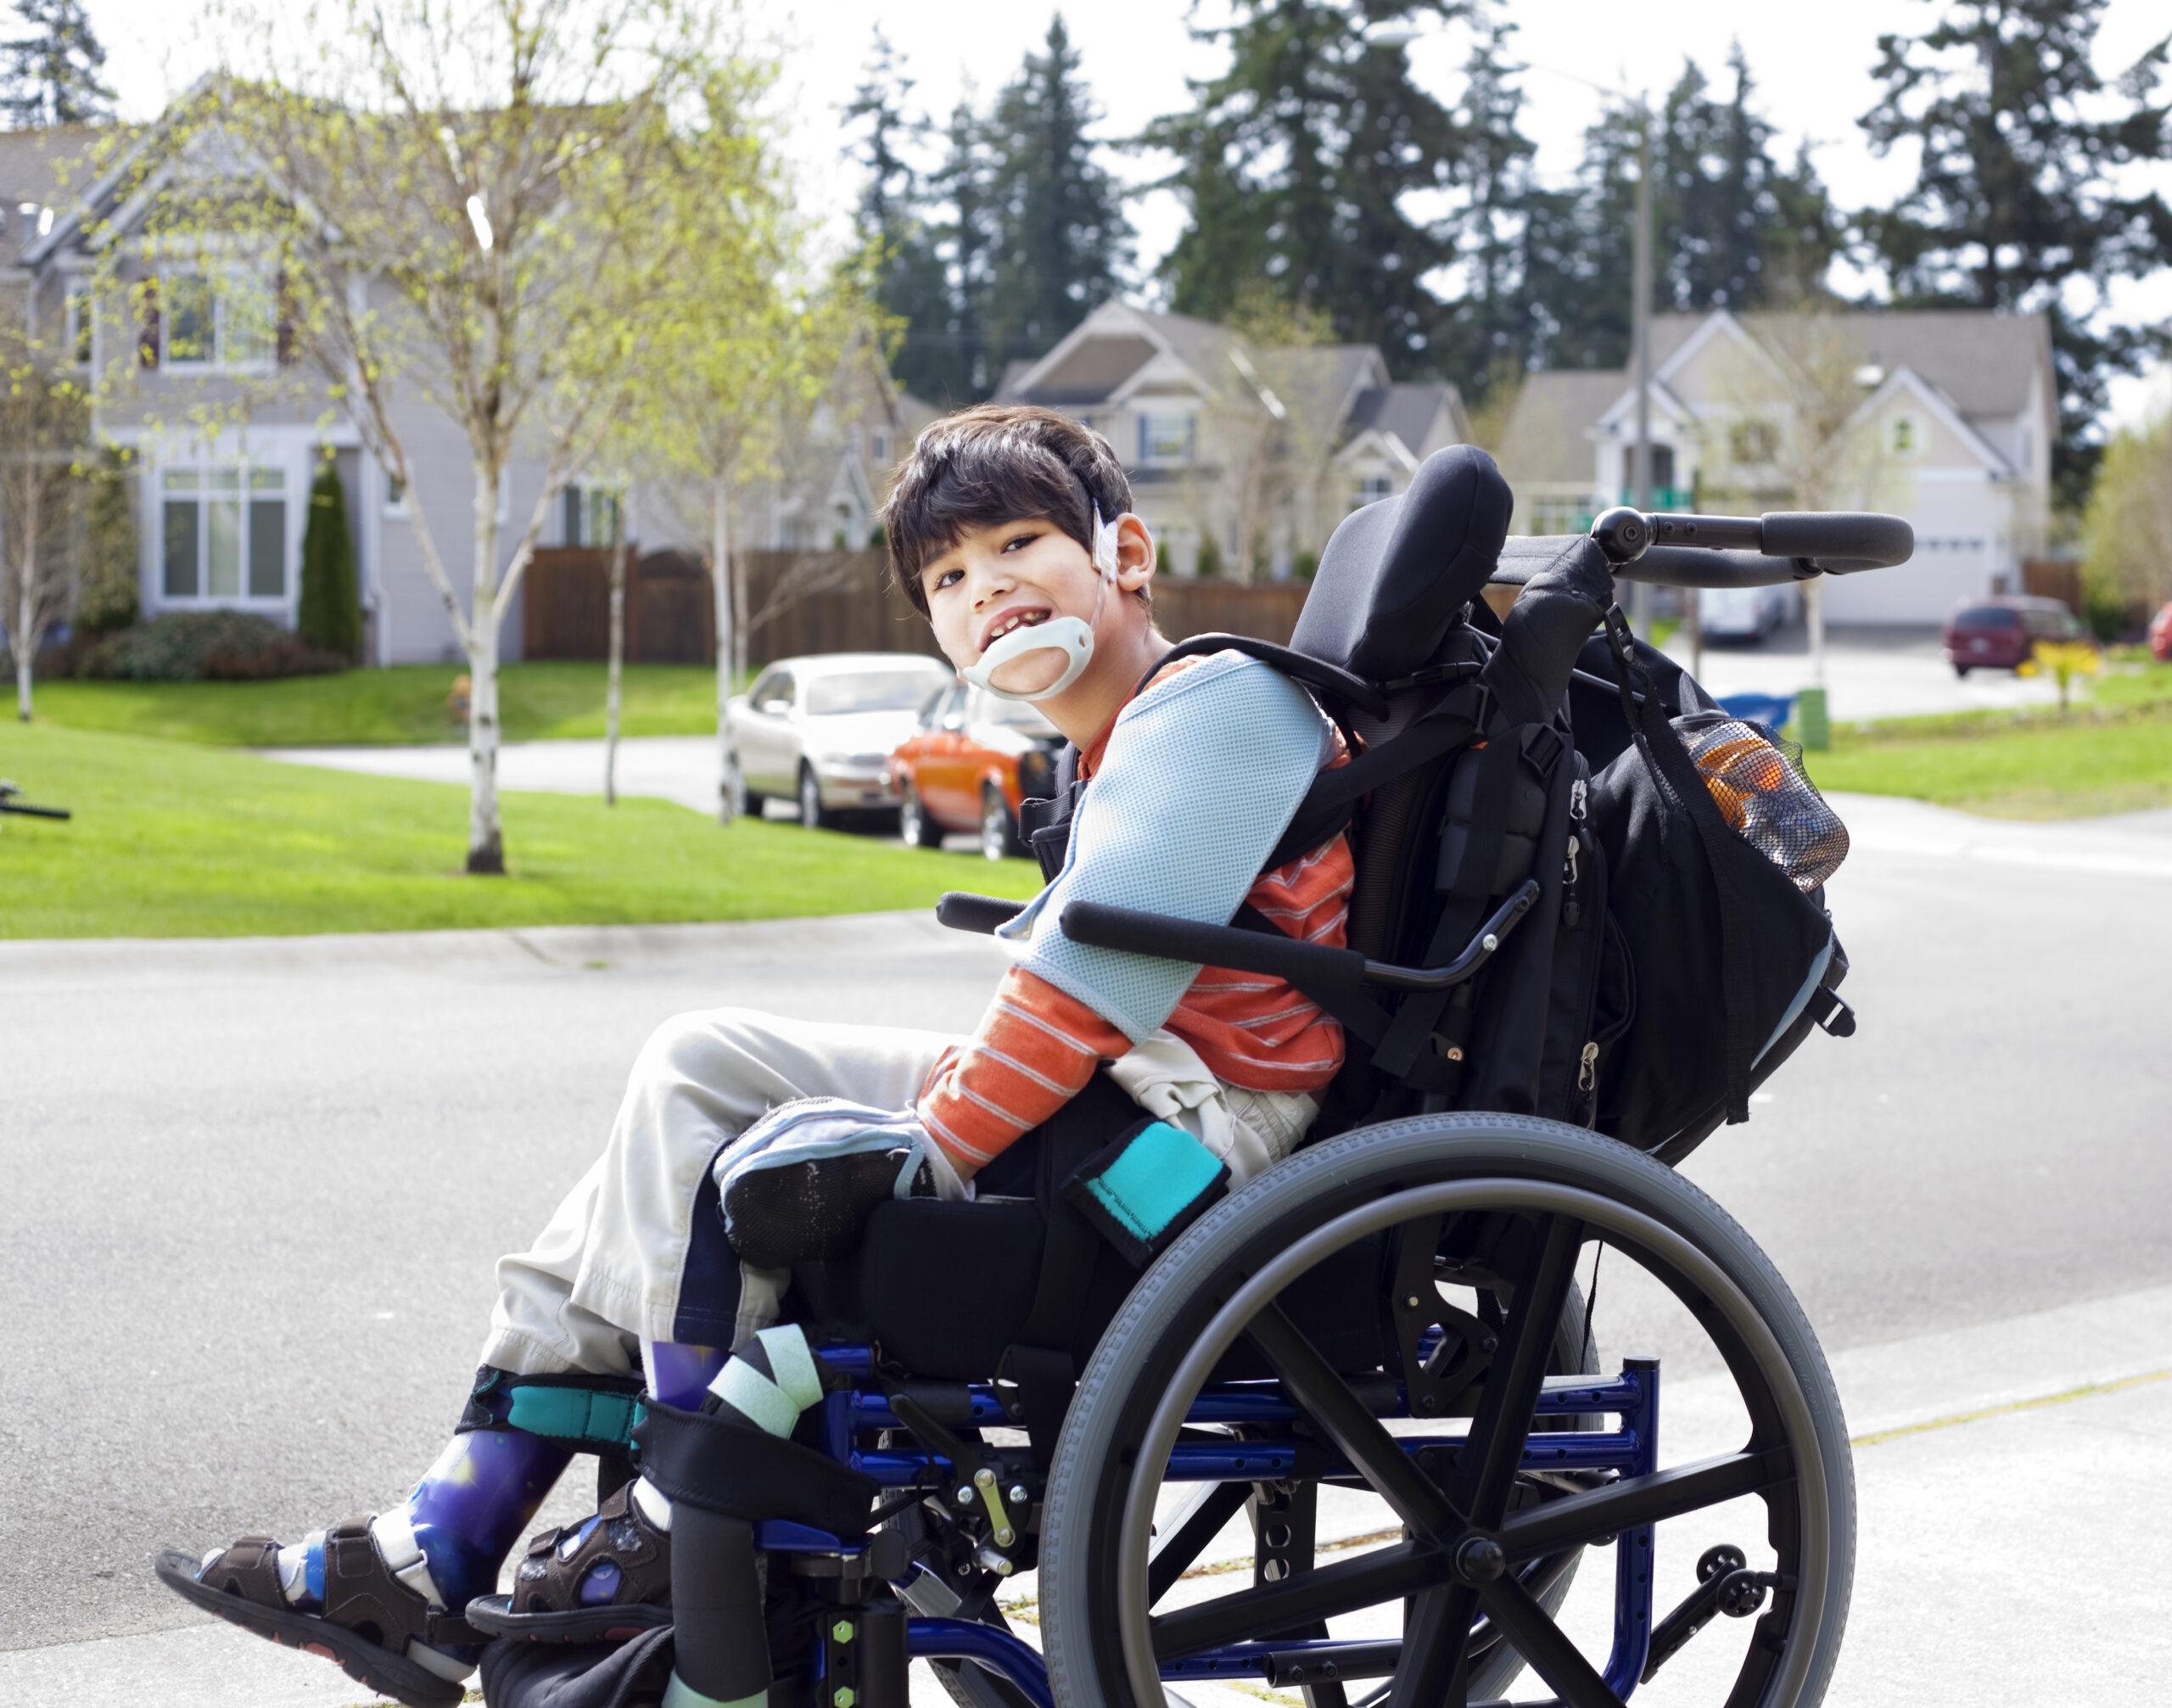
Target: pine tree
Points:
(53, 72)
(2019, 194)
(909, 281)
(1488, 330)
(329, 613)
(1295, 163)
(1061, 239)
(968, 247)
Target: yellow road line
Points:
(2085, 1392)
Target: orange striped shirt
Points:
(1037, 1046)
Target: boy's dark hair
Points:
(993, 464)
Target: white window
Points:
(1371, 490)
(1905, 436)
(216, 319)
(590, 516)
(223, 534)
(1752, 443)
(395, 494)
(878, 445)
(1166, 437)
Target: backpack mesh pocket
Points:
(1758, 782)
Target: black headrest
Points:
(1397, 574)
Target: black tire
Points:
(1960, 671)
(1221, 1277)
(999, 830)
(913, 825)
(811, 815)
(745, 803)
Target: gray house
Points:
(1262, 450)
(200, 383)
(1945, 417)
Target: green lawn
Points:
(174, 840)
(395, 707)
(2111, 754)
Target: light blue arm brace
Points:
(1202, 774)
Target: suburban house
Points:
(227, 430)
(1262, 451)
(1946, 418)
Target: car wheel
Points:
(998, 837)
(810, 800)
(745, 803)
(1960, 671)
(914, 826)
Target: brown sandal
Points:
(368, 1619)
(546, 1605)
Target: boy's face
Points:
(1026, 573)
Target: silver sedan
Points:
(819, 729)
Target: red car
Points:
(2000, 634)
(973, 759)
(2160, 635)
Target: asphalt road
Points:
(1869, 673)
(253, 1190)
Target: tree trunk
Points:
(23, 648)
(25, 634)
(723, 587)
(486, 851)
(618, 655)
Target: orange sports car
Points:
(973, 759)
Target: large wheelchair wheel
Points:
(1450, 1598)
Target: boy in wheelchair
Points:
(747, 1145)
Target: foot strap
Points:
(590, 1413)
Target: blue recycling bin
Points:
(1771, 710)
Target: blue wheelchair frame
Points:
(852, 1420)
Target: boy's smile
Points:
(1024, 573)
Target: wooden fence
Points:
(807, 602)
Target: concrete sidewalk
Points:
(2013, 1480)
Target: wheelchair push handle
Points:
(1767, 551)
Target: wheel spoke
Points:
(1173, 1556)
(1326, 1399)
(1435, 1671)
(1485, 1471)
(1577, 1519)
(1539, 1640)
(1274, 1610)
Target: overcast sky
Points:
(1812, 64)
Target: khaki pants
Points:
(635, 1253)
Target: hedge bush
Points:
(205, 647)
(329, 617)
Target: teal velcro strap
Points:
(572, 1414)
(1147, 1187)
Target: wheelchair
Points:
(1348, 1434)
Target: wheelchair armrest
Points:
(1170, 938)
(1305, 965)
(962, 910)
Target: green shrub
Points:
(329, 617)
(1210, 558)
(205, 647)
(106, 598)
(1304, 566)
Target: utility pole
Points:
(1640, 333)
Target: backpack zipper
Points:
(1587, 1068)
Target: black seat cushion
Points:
(1397, 574)
(945, 1290)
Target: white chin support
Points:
(1071, 637)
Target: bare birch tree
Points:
(740, 360)
(44, 422)
(468, 207)
(1269, 424)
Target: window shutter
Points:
(146, 337)
(284, 307)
